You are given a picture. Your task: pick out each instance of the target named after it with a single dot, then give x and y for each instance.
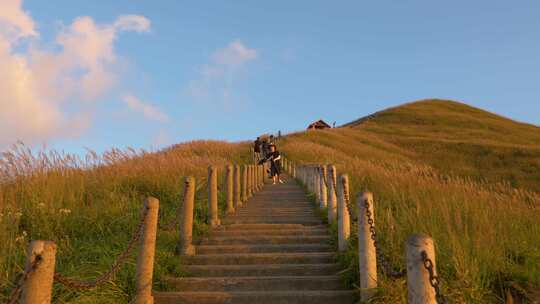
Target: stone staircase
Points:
(273, 250)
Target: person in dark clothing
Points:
(257, 148)
(274, 157)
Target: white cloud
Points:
(38, 86)
(149, 111)
(14, 22)
(217, 78)
(235, 54)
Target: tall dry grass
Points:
(487, 235)
(90, 205)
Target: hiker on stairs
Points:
(274, 157)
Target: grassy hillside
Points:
(450, 171)
(91, 214)
(462, 140)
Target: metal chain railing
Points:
(388, 269)
(115, 267)
(433, 279)
(174, 222)
(16, 293)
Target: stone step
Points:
(223, 233)
(213, 249)
(257, 297)
(271, 220)
(260, 258)
(279, 283)
(261, 270)
(272, 239)
(263, 226)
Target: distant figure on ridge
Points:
(275, 163)
(257, 149)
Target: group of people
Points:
(266, 151)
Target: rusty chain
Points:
(174, 222)
(122, 258)
(387, 267)
(433, 279)
(16, 293)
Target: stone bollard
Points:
(317, 183)
(419, 288)
(332, 198)
(261, 176)
(344, 225)
(213, 212)
(323, 187)
(147, 249)
(255, 180)
(37, 288)
(293, 170)
(185, 246)
(237, 187)
(248, 184)
(244, 184)
(230, 188)
(367, 255)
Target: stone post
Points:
(323, 187)
(244, 184)
(293, 170)
(213, 212)
(419, 289)
(367, 255)
(332, 198)
(237, 187)
(248, 184)
(185, 246)
(344, 225)
(230, 188)
(38, 286)
(147, 249)
(317, 183)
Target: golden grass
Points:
(89, 206)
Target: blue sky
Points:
(229, 70)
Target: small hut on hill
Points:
(318, 125)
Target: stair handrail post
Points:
(332, 197)
(147, 249)
(367, 255)
(229, 171)
(419, 289)
(237, 187)
(185, 246)
(344, 228)
(317, 183)
(213, 211)
(40, 264)
(244, 184)
(323, 197)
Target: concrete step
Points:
(261, 270)
(263, 226)
(271, 220)
(279, 283)
(260, 258)
(272, 239)
(214, 249)
(223, 233)
(258, 297)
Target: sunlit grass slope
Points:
(459, 174)
(462, 140)
(90, 208)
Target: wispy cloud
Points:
(149, 111)
(38, 86)
(216, 79)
